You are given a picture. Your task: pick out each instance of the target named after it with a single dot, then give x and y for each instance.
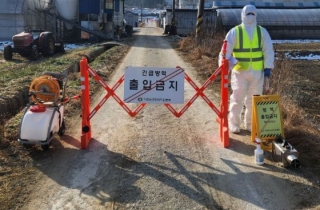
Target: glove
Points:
(267, 72)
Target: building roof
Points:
(274, 17)
(280, 23)
(237, 4)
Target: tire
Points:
(49, 48)
(7, 53)
(62, 129)
(34, 53)
(60, 49)
(173, 30)
(167, 29)
(45, 147)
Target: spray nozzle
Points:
(257, 140)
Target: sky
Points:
(308, 57)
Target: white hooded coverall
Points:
(246, 83)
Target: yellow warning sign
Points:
(266, 119)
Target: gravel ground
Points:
(157, 161)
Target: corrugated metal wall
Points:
(131, 18)
(186, 20)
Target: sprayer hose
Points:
(44, 89)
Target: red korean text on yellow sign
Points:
(266, 119)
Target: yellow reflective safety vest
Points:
(248, 52)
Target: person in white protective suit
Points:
(250, 45)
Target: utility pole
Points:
(141, 9)
(199, 20)
(173, 12)
(173, 27)
(101, 16)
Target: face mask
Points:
(249, 19)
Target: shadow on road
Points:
(116, 177)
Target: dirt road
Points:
(156, 161)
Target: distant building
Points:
(65, 18)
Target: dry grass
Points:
(299, 122)
(15, 162)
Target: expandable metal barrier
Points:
(222, 113)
